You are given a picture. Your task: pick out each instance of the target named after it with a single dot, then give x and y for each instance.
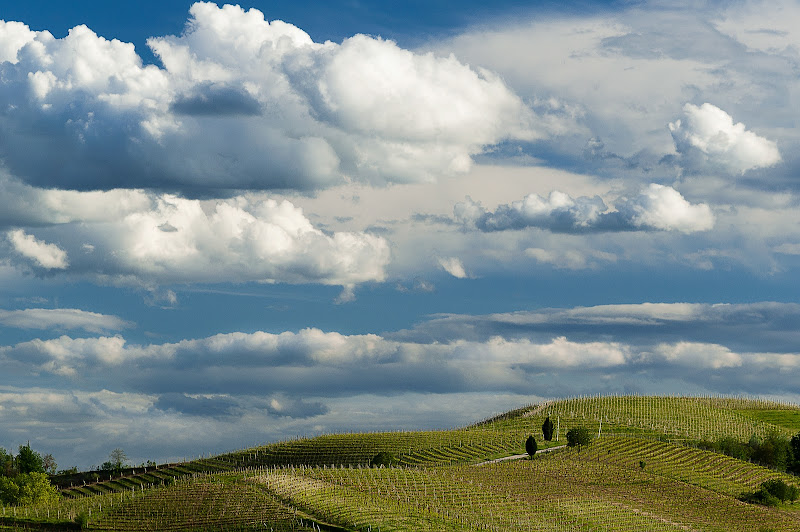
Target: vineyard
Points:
(642, 471)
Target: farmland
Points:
(642, 471)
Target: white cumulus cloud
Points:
(453, 266)
(242, 103)
(655, 208)
(45, 255)
(707, 135)
(664, 208)
(245, 238)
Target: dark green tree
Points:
(578, 436)
(794, 447)
(6, 464)
(547, 429)
(384, 459)
(774, 451)
(28, 460)
(531, 446)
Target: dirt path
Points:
(519, 456)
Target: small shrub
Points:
(82, 520)
(578, 436)
(642, 464)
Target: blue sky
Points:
(226, 225)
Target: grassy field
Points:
(641, 472)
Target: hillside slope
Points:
(641, 472)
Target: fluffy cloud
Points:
(44, 255)
(656, 207)
(40, 318)
(695, 355)
(663, 208)
(163, 238)
(241, 103)
(453, 266)
(707, 136)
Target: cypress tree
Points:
(547, 429)
(531, 446)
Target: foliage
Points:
(774, 451)
(6, 463)
(547, 429)
(118, 458)
(578, 436)
(772, 492)
(82, 520)
(383, 458)
(49, 464)
(9, 490)
(27, 489)
(28, 460)
(531, 446)
(794, 445)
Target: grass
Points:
(789, 419)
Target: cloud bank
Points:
(241, 103)
(311, 380)
(655, 208)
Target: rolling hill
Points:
(646, 469)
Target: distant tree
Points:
(578, 436)
(531, 446)
(383, 458)
(116, 460)
(28, 460)
(49, 464)
(547, 429)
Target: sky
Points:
(226, 225)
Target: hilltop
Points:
(649, 467)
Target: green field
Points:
(641, 472)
